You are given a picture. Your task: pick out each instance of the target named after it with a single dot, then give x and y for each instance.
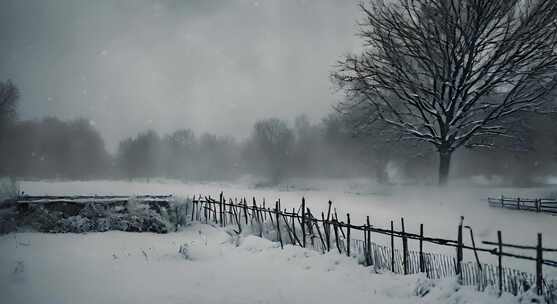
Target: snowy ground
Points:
(119, 267)
(438, 210)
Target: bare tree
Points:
(9, 95)
(273, 141)
(451, 72)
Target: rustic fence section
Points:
(329, 232)
(529, 204)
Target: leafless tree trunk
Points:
(9, 95)
(451, 73)
(273, 140)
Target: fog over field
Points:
(120, 119)
(203, 90)
(212, 66)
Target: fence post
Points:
(539, 263)
(421, 248)
(196, 210)
(206, 205)
(348, 234)
(294, 224)
(309, 227)
(326, 232)
(404, 248)
(236, 216)
(199, 207)
(328, 222)
(231, 217)
(193, 203)
(227, 215)
(518, 203)
(339, 223)
(277, 210)
(245, 206)
(366, 241)
(214, 210)
(220, 210)
(502, 201)
(304, 222)
(368, 231)
(459, 254)
(392, 247)
(254, 214)
(264, 213)
(258, 217)
(205, 210)
(500, 261)
(252, 217)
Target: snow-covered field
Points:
(438, 210)
(111, 267)
(119, 267)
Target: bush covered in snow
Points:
(39, 218)
(75, 224)
(134, 216)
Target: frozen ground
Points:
(119, 267)
(438, 210)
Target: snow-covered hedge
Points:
(135, 216)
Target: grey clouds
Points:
(212, 66)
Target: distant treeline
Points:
(273, 150)
(51, 148)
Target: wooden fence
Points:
(529, 204)
(326, 232)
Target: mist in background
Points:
(212, 66)
(208, 90)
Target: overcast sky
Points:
(212, 66)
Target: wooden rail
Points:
(528, 204)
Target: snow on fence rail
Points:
(77, 202)
(537, 204)
(328, 232)
(83, 199)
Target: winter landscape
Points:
(292, 151)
